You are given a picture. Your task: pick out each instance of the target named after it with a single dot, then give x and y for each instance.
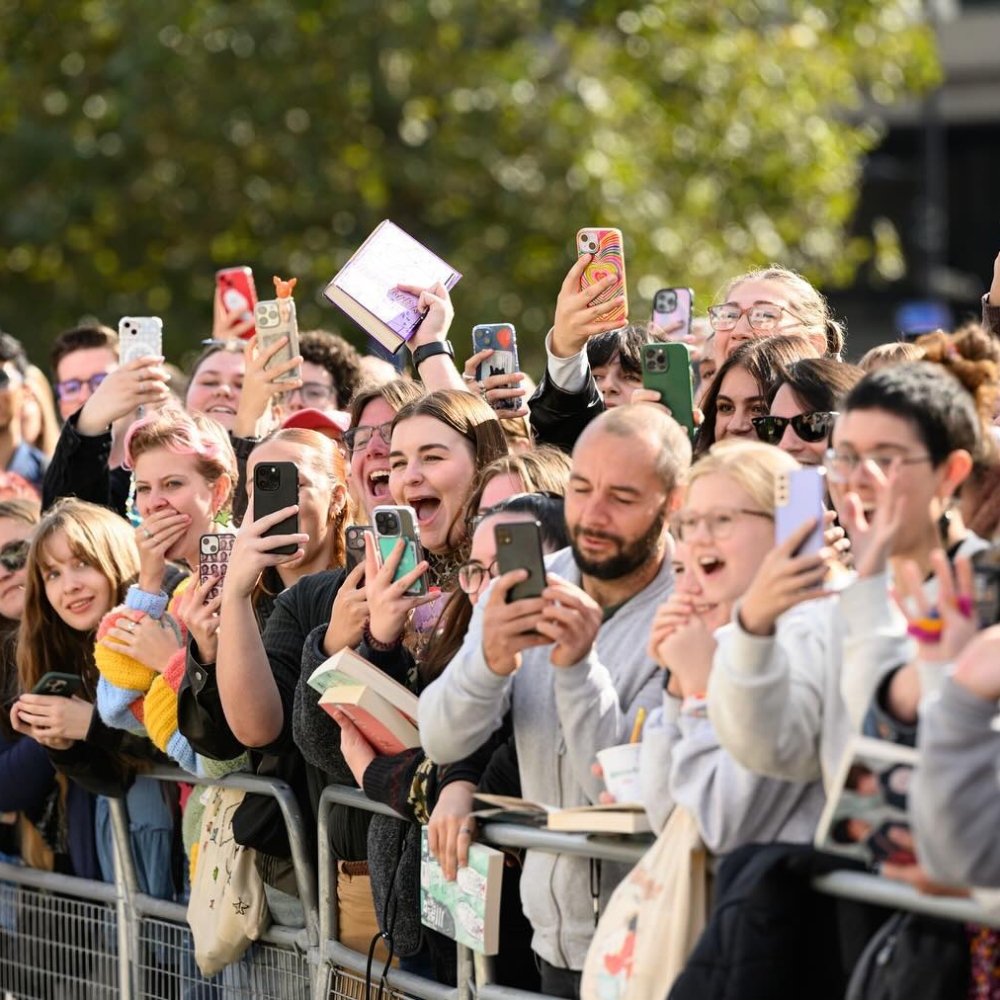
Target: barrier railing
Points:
(116, 942)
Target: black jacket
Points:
(771, 936)
(559, 417)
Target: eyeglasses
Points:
(472, 575)
(811, 427)
(358, 437)
(71, 388)
(314, 393)
(763, 317)
(719, 522)
(14, 555)
(840, 465)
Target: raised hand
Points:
(872, 536)
(576, 320)
(142, 382)
(388, 602)
(571, 619)
(496, 389)
(253, 553)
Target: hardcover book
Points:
(366, 286)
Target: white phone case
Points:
(140, 337)
(275, 318)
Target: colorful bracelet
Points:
(927, 629)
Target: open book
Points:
(468, 909)
(384, 710)
(614, 818)
(865, 817)
(365, 287)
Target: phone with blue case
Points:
(391, 524)
(501, 339)
(799, 497)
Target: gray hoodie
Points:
(955, 795)
(561, 716)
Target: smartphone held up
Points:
(607, 253)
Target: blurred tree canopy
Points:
(146, 144)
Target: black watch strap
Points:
(425, 351)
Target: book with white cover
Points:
(366, 286)
(346, 667)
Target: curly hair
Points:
(332, 352)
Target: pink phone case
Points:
(608, 251)
(671, 305)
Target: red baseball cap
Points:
(333, 423)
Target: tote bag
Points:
(227, 910)
(653, 919)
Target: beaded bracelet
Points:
(377, 644)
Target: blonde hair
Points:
(752, 465)
(38, 385)
(807, 304)
(890, 354)
(99, 538)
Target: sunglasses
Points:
(14, 555)
(811, 427)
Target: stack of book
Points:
(384, 710)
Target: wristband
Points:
(695, 706)
(142, 600)
(376, 644)
(425, 351)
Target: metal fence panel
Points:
(55, 947)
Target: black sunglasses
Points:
(811, 427)
(14, 555)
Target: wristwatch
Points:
(425, 351)
(142, 600)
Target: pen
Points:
(640, 718)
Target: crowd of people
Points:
(667, 601)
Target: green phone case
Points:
(666, 368)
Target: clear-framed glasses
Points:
(840, 465)
(315, 394)
(473, 574)
(358, 437)
(811, 427)
(72, 387)
(14, 555)
(718, 522)
(763, 317)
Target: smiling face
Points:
(431, 469)
(369, 468)
(723, 567)
(216, 387)
(745, 294)
(12, 584)
(164, 479)
(739, 400)
(713, 613)
(79, 593)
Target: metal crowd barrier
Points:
(75, 939)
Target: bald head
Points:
(668, 442)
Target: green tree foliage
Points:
(144, 144)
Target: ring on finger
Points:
(147, 533)
(468, 377)
(465, 830)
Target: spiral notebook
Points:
(365, 287)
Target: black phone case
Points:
(267, 501)
(519, 546)
(354, 542)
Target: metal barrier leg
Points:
(127, 885)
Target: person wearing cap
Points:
(329, 423)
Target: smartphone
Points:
(391, 524)
(608, 251)
(237, 292)
(213, 560)
(519, 546)
(276, 485)
(140, 337)
(501, 338)
(666, 368)
(354, 542)
(671, 305)
(274, 319)
(61, 685)
(799, 497)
